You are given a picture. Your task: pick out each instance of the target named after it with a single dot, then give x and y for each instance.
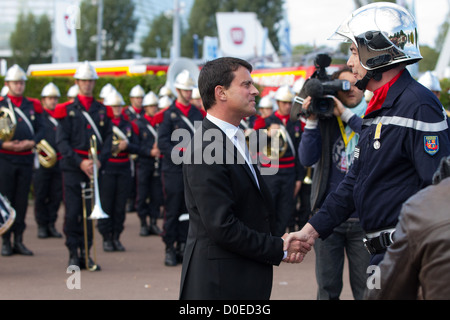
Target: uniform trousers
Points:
(15, 182)
(48, 194)
(174, 229)
(73, 219)
(282, 188)
(114, 191)
(149, 191)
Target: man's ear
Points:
(220, 93)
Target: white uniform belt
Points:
(372, 235)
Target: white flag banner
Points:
(242, 35)
(67, 20)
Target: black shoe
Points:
(91, 265)
(7, 248)
(52, 232)
(42, 232)
(108, 246)
(180, 251)
(144, 232)
(74, 260)
(117, 245)
(20, 248)
(154, 229)
(171, 257)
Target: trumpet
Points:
(92, 194)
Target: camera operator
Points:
(330, 142)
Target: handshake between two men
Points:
(299, 243)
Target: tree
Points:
(31, 40)
(119, 26)
(159, 37)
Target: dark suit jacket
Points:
(229, 252)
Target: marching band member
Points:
(47, 177)
(149, 187)
(180, 115)
(116, 179)
(134, 111)
(16, 155)
(78, 121)
(285, 184)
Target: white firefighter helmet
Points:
(196, 93)
(384, 33)
(150, 99)
(284, 93)
(266, 102)
(15, 73)
(73, 91)
(184, 81)
(107, 89)
(430, 81)
(165, 91)
(4, 91)
(164, 102)
(137, 92)
(86, 72)
(114, 98)
(50, 90)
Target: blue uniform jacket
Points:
(414, 136)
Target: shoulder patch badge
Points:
(431, 144)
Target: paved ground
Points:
(136, 274)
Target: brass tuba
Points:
(8, 124)
(46, 154)
(118, 136)
(276, 143)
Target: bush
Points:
(123, 84)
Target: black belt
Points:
(378, 242)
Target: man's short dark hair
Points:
(218, 72)
(336, 74)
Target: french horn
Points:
(46, 154)
(118, 136)
(8, 124)
(276, 143)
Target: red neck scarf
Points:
(380, 94)
(283, 119)
(50, 112)
(149, 119)
(183, 108)
(116, 121)
(17, 101)
(86, 101)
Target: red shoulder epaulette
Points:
(109, 112)
(61, 110)
(159, 116)
(36, 104)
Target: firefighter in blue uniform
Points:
(17, 156)
(47, 177)
(148, 168)
(286, 182)
(116, 180)
(78, 121)
(404, 134)
(180, 115)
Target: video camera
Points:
(320, 88)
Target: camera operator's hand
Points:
(305, 107)
(338, 107)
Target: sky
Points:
(314, 21)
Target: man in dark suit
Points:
(230, 251)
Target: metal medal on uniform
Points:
(376, 143)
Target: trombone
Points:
(92, 193)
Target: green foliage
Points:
(123, 84)
(119, 23)
(445, 97)
(159, 37)
(30, 41)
